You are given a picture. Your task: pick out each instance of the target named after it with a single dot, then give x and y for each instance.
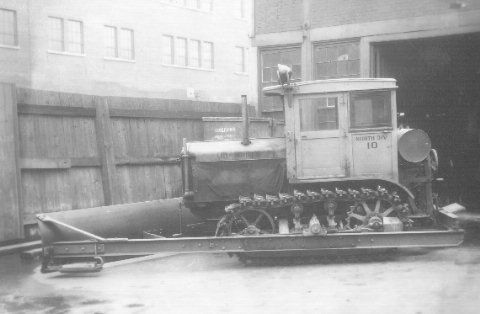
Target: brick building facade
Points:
(183, 49)
(339, 38)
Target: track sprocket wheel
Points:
(247, 221)
(371, 212)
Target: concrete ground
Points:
(411, 281)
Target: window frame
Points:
(353, 128)
(131, 44)
(211, 62)
(327, 97)
(174, 49)
(68, 41)
(64, 36)
(185, 4)
(278, 50)
(15, 29)
(328, 44)
(117, 43)
(263, 105)
(177, 58)
(197, 6)
(243, 62)
(61, 37)
(191, 53)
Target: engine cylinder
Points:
(413, 145)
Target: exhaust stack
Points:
(246, 122)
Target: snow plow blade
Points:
(166, 216)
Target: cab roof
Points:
(334, 85)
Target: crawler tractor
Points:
(344, 178)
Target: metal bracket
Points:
(46, 219)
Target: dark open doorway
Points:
(439, 92)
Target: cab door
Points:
(374, 144)
(320, 136)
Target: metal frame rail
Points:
(58, 255)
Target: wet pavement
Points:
(409, 281)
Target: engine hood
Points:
(215, 151)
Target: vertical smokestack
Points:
(246, 122)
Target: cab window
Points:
(370, 110)
(319, 114)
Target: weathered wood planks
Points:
(104, 134)
(67, 160)
(10, 224)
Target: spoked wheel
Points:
(370, 213)
(247, 221)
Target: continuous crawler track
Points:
(362, 207)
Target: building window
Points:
(111, 42)
(337, 60)
(168, 52)
(119, 43)
(8, 28)
(208, 55)
(65, 35)
(127, 47)
(186, 52)
(192, 4)
(269, 60)
(74, 36)
(204, 5)
(240, 64)
(56, 34)
(194, 53)
(181, 51)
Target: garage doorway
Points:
(439, 92)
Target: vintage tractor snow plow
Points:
(343, 179)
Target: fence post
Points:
(104, 134)
(10, 216)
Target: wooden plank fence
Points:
(10, 220)
(63, 151)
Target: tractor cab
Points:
(340, 129)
